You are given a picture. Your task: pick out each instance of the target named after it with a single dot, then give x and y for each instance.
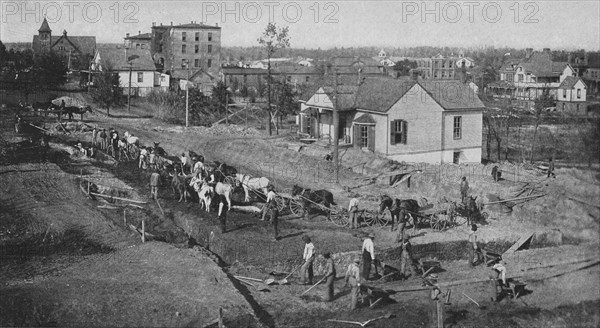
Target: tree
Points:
(273, 39)
(544, 101)
(50, 70)
(221, 97)
(403, 67)
(108, 91)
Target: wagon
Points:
(298, 207)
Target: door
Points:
(371, 138)
(456, 158)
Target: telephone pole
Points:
(336, 126)
(129, 89)
(187, 97)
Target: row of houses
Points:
(524, 81)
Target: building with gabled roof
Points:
(134, 63)
(68, 46)
(403, 119)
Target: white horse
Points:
(204, 195)
(250, 183)
(223, 189)
(197, 183)
(131, 140)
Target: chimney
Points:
(528, 53)
(217, 24)
(171, 23)
(64, 32)
(192, 22)
(414, 75)
(126, 35)
(153, 24)
(546, 50)
(139, 32)
(160, 24)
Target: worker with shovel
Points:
(353, 278)
(308, 257)
(330, 274)
(406, 262)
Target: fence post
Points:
(143, 230)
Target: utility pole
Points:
(336, 126)
(187, 97)
(89, 75)
(129, 89)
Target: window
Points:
(196, 62)
(364, 136)
(245, 79)
(578, 93)
(520, 77)
(288, 78)
(183, 36)
(307, 78)
(457, 127)
(197, 36)
(209, 63)
(209, 36)
(196, 49)
(183, 47)
(564, 93)
(137, 45)
(210, 48)
(183, 63)
(143, 46)
(140, 77)
(398, 130)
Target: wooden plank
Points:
(515, 247)
(513, 199)
(583, 202)
(118, 198)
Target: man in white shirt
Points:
(270, 199)
(368, 254)
(198, 167)
(353, 278)
(308, 257)
(353, 210)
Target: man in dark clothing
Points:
(551, 168)
(330, 275)
(368, 255)
(406, 262)
(464, 189)
(223, 213)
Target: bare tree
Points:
(273, 39)
(544, 101)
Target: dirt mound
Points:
(232, 130)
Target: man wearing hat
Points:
(330, 275)
(308, 257)
(270, 200)
(154, 183)
(103, 137)
(353, 278)
(474, 254)
(464, 189)
(274, 219)
(368, 255)
(406, 258)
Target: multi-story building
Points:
(587, 66)
(139, 41)
(438, 67)
(179, 48)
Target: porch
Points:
(317, 123)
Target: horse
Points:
(250, 183)
(76, 110)
(226, 170)
(321, 196)
(205, 196)
(197, 183)
(159, 150)
(179, 185)
(131, 141)
(221, 189)
(396, 206)
(472, 209)
(198, 157)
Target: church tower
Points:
(45, 36)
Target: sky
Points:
(564, 25)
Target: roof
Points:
(365, 119)
(143, 36)
(191, 26)
(354, 61)
(379, 94)
(195, 75)
(85, 44)
(452, 94)
(117, 57)
(541, 65)
(45, 27)
(242, 71)
(569, 82)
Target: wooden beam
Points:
(118, 198)
(513, 199)
(515, 247)
(583, 202)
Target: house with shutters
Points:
(402, 119)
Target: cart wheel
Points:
(339, 217)
(437, 222)
(369, 218)
(383, 219)
(297, 208)
(280, 201)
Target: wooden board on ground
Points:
(520, 243)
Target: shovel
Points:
(315, 285)
(284, 280)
